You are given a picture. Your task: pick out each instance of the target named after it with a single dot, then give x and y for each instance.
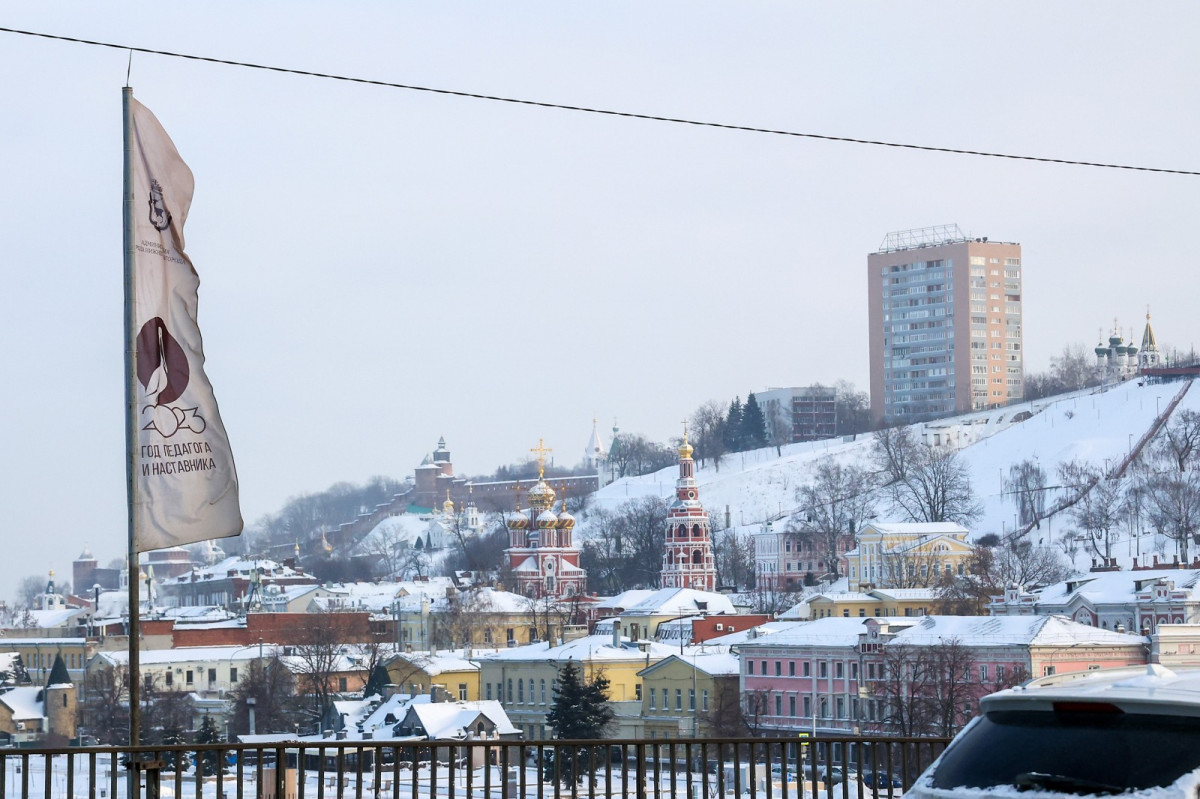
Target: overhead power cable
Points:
(604, 111)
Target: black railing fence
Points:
(701, 768)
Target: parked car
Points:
(880, 779)
(1099, 732)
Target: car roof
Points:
(1142, 689)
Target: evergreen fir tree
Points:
(733, 426)
(754, 425)
(210, 759)
(378, 681)
(580, 712)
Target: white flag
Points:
(187, 484)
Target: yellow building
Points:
(681, 694)
(417, 672)
(522, 679)
(907, 555)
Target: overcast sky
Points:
(381, 267)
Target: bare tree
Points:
(929, 484)
(1173, 505)
(733, 553)
(995, 567)
(463, 617)
(273, 688)
(317, 660)
(1180, 442)
(1100, 507)
(1026, 484)
(708, 432)
(627, 545)
(105, 713)
(836, 503)
(779, 424)
(1073, 368)
(953, 693)
(895, 450)
(725, 718)
(853, 408)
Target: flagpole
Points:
(131, 432)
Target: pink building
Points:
(835, 675)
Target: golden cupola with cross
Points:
(541, 553)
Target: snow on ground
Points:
(1098, 427)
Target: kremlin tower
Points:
(687, 556)
(541, 552)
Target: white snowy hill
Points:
(1101, 427)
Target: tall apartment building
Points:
(807, 413)
(945, 316)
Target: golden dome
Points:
(541, 496)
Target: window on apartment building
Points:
(170, 678)
(520, 692)
(841, 707)
(233, 674)
(822, 669)
(764, 668)
(839, 669)
(854, 671)
(342, 687)
(212, 676)
(542, 691)
(846, 612)
(637, 693)
(807, 668)
(512, 636)
(704, 700)
(489, 692)
(654, 699)
(692, 699)
(792, 706)
(983, 673)
(531, 700)
(749, 666)
(462, 692)
(1047, 671)
(778, 704)
(778, 668)
(510, 694)
(679, 699)
(487, 635)
(807, 706)
(791, 668)
(824, 707)
(1000, 672)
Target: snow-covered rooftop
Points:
(984, 631)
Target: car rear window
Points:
(1075, 751)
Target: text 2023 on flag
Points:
(187, 486)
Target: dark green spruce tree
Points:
(377, 683)
(754, 425)
(580, 712)
(210, 759)
(733, 427)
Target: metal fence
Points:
(772, 768)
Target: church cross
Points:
(541, 449)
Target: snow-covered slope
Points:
(1098, 427)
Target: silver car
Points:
(1090, 733)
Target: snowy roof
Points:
(240, 566)
(713, 663)
(47, 619)
(833, 631)
(190, 654)
(906, 593)
(625, 599)
(25, 702)
(983, 631)
(435, 664)
(675, 601)
(917, 528)
(1117, 587)
(590, 648)
(444, 720)
(753, 633)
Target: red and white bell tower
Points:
(687, 556)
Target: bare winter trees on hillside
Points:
(835, 505)
(1100, 509)
(922, 482)
(625, 548)
(1026, 485)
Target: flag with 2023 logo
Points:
(187, 487)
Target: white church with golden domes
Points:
(541, 552)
